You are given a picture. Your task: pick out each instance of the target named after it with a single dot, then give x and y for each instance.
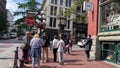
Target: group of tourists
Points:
(36, 48)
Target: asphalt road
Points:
(15, 40)
(7, 48)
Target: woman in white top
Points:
(55, 47)
(61, 47)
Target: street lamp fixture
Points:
(41, 21)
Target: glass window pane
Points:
(66, 3)
(61, 2)
(55, 10)
(108, 47)
(69, 3)
(51, 10)
(61, 10)
(110, 16)
(56, 1)
(51, 21)
(54, 25)
(52, 1)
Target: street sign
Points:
(88, 6)
(32, 12)
(29, 20)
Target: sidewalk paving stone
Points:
(76, 59)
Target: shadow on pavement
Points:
(76, 54)
(43, 67)
(74, 64)
(48, 67)
(69, 61)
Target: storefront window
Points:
(110, 15)
(108, 51)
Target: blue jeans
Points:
(36, 60)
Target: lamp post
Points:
(40, 21)
(62, 24)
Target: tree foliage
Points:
(28, 5)
(80, 18)
(3, 22)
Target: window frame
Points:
(102, 27)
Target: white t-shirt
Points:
(61, 46)
(55, 41)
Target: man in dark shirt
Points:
(88, 44)
(45, 46)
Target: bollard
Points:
(17, 52)
(21, 63)
(15, 60)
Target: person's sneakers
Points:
(42, 61)
(62, 63)
(47, 61)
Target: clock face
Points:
(62, 21)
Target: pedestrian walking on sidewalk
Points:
(54, 46)
(88, 44)
(68, 46)
(45, 46)
(61, 47)
(26, 49)
(35, 53)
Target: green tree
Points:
(80, 17)
(28, 5)
(3, 22)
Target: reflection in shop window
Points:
(111, 16)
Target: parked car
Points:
(4, 37)
(13, 35)
(81, 43)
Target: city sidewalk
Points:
(77, 59)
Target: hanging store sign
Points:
(87, 6)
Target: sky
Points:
(12, 6)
